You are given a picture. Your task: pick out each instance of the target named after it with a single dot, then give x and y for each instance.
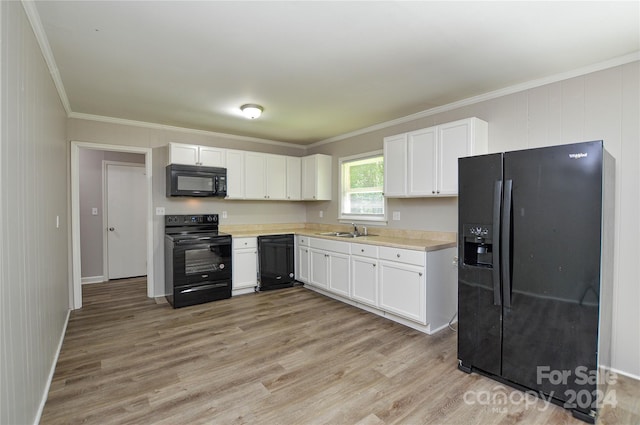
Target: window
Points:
(362, 178)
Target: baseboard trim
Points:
(623, 373)
(92, 279)
(52, 370)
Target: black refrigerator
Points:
(535, 271)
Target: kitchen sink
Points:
(338, 234)
(344, 234)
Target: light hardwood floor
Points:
(283, 357)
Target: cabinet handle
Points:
(419, 273)
(438, 191)
(362, 250)
(373, 265)
(398, 255)
(433, 191)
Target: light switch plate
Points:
(94, 211)
(224, 214)
(396, 215)
(159, 210)
(321, 213)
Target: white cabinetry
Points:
(413, 287)
(403, 283)
(265, 176)
(316, 177)
(208, 156)
(330, 265)
(364, 274)
(235, 174)
(302, 259)
(425, 162)
(294, 178)
(245, 265)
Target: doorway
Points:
(76, 254)
(124, 230)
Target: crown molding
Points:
(622, 60)
(144, 124)
(36, 24)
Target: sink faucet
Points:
(355, 229)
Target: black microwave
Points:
(195, 180)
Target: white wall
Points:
(602, 105)
(34, 278)
(91, 226)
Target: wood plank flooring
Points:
(289, 356)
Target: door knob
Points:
(111, 229)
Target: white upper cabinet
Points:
(235, 174)
(256, 175)
(208, 156)
(456, 140)
(425, 162)
(294, 178)
(316, 177)
(265, 176)
(395, 163)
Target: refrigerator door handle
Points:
(497, 201)
(505, 253)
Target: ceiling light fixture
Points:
(251, 111)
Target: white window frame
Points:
(355, 218)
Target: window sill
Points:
(382, 221)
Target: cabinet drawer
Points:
(303, 240)
(408, 256)
(245, 243)
(329, 245)
(364, 250)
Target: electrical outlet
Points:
(159, 210)
(321, 213)
(94, 211)
(224, 214)
(396, 215)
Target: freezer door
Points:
(479, 296)
(551, 295)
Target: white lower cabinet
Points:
(303, 266)
(413, 287)
(364, 274)
(245, 265)
(319, 273)
(403, 290)
(339, 274)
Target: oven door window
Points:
(204, 260)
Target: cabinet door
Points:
(316, 177)
(403, 290)
(395, 165)
(212, 157)
(303, 264)
(235, 174)
(319, 273)
(183, 154)
(245, 264)
(339, 274)
(294, 178)
(421, 162)
(454, 142)
(255, 169)
(364, 280)
(276, 176)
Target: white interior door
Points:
(126, 221)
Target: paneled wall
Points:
(603, 105)
(34, 277)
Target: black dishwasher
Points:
(276, 261)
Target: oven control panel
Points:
(182, 220)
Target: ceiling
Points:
(319, 69)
